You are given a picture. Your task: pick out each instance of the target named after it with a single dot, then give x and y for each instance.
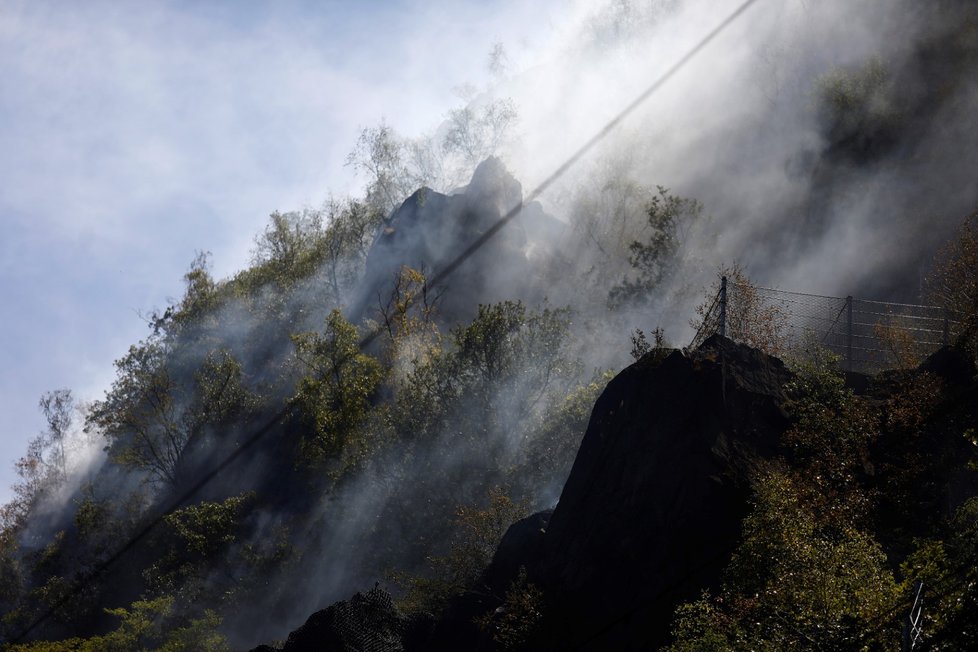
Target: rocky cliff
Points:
(654, 505)
(430, 228)
(649, 514)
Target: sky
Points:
(133, 135)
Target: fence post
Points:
(849, 332)
(723, 306)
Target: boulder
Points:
(430, 229)
(652, 508)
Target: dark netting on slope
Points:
(365, 623)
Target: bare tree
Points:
(58, 407)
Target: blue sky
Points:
(134, 134)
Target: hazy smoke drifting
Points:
(803, 199)
(743, 129)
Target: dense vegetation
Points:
(433, 421)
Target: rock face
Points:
(430, 229)
(652, 508)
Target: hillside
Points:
(721, 471)
(442, 416)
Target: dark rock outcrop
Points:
(520, 547)
(653, 505)
(430, 229)
(367, 621)
(649, 515)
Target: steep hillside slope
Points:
(676, 456)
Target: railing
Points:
(868, 336)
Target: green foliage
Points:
(808, 572)
(505, 357)
(323, 248)
(641, 345)
(199, 634)
(334, 396)
(476, 132)
(954, 283)
(141, 412)
(145, 625)
(287, 238)
(829, 443)
(607, 215)
(200, 557)
(44, 468)
(476, 534)
(151, 412)
(704, 626)
(820, 578)
(101, 521)
(206, 528)
(749, 318)
(11, 573)
(58, 408)
(800, 579)
(200, 300)
(859, 106)
(552, 446)
(409, 320)
(948, 568)
(395, 166)
(512, 625)
(380, 154)
(219, 397)
(655, 257)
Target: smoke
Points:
(807, 195)
(744, 130)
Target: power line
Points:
(437, 278)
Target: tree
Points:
(334, 396)
(285, 237)
(58, 409)
(948, 568)
(349, 232)
(379, 152)
(808, 573)
(860, 109)
(476, 132)
(44, 466)
(797, 580)
(954, 281)
(319, 250)
(654, 258)
(146, 624)
(408, 319)
(140, 415)
(749, 318)
(152, 411)
(475, 535)
(491, 377)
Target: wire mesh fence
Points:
(867, 336)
